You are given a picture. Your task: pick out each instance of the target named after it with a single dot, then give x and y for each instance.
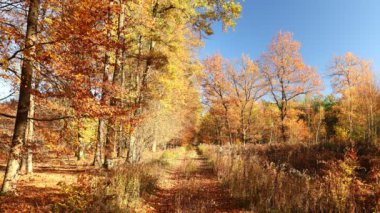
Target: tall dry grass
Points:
(267, 186)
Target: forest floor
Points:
(187, 185)
(191, 186)
(38, 191)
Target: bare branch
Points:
(38, 119)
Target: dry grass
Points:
(277, 186)
(123, 189)
(65, 184)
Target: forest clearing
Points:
(189, 106)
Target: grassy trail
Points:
(191, 186)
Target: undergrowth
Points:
(122, 189)
(267, 186)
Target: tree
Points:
(218, 90)
(101, 60)
(24, 98)
(353, 78)
(248, 87)
(287, 75)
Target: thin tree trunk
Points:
(271, 132)
(131, 157)
(372, 124)
(227, 122)
(80, 148)
(318, 128)
(80, 153)
(155, 127)
(242, 126)
(100, 141)
(350, 122)
(154, 144)
(120, 144)
(24, 99)
(283, 127)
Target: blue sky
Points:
(324, 27)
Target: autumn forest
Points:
(109, 106)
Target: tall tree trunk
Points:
(102, 123)
(24, 99)
(110, 147)
(141, 86)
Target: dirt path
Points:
(192, 187)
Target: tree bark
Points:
(283, 126)
(24, 99)
(29, 162)
(80, 150)
(131, 158)
(110, 147)
(102, 129)
(29, 138)
(228, 126)
(26, 162)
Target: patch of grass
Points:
(169, 156)
(190, 168)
